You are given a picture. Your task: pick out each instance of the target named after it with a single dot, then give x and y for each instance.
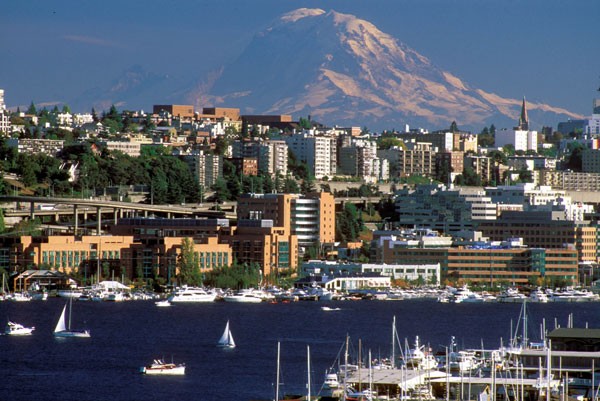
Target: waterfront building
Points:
(254, 241)
(311, 217)
(544, 229)
(491, 265)
(109, 255)
(409, 272)
(259, 242)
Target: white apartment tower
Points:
(318, 152)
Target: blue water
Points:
(128, 335)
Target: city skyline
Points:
(56, 52)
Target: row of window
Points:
(74, 258)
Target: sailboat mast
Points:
(394, 342)
(277, 383)
(345, 369)
(308, 370)
(70, 309)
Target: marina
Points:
(129, 334)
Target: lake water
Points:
(128, 335)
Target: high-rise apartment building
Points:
(318, 152)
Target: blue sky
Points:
(546, 50)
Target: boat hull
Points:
(72, 334)
(176, 371)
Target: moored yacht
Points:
(538, 296)
(192, 294)
(243, 296)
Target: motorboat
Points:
(70, 293)
(163, 303)
(538, 296)
(243, 296)
(16, 329)
(329, 308)
(416, 358)
(192, 294)
(159, 367)
(331, 381)
(63, 326)
(511, 295)
(21, 297)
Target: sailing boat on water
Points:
(63, 327)
(226, 340)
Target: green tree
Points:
(348, 224)
(221, 192)
(308, 185)
(2, 224)
(290, 186)
(469, 177)
(31, 109)
(188, 264)
(305, 123)
(390, 142)
(573, 159)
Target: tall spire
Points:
(523, 120)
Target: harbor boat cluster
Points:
(560, 367)
(116, 292)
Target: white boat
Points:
(70, 293)
(163, 303)
(16, 329)
(243, 296)
(192, 294)
(416, 358)
(331, 381)
(63, 327)
(538, 296)
(329, 309)
(511, 295)
(226, 340)
(21, 297)
(159, 367)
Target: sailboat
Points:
(63, 328)
(226, 340)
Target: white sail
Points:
(226, 339)
(61, 326)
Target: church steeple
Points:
(523, 120)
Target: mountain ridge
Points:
(362, 75)
(336, 68)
